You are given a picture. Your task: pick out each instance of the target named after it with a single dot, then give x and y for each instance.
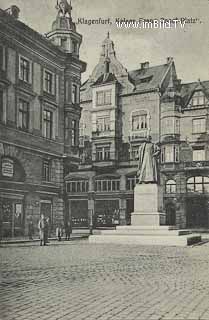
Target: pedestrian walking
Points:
(68, 230)
(41, 225)
(30, 229)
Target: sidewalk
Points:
(76, 234)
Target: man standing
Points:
(41, 226)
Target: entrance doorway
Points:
(170, 214)
(129, 210)
(197, 212)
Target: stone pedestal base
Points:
(147, 219)
(148, 204)
(147, 223)
(145, 235)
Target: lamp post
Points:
(91, 198)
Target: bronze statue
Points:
(147, 168)
(64, 8)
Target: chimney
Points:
(145, 65)
(169, 60)
(13, 11)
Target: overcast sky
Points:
(189, 46)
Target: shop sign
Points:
(7, 168)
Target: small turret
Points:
(63, 32)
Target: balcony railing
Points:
(139, 135)
(196, 164)
(106, 133)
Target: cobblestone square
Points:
(77, 280)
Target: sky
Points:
(189, 46)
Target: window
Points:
(1, 105)
(102, 153)
(74, 93)
(170, 126)
(24, 68)
(47, 124)
(139, 122)
(73, 133)
(48, 82)
(103, 97)
(198, 154)
(198, 184)
(170, 153)
(199, 125)
(107, 185)
(198, 99)
(78, 186)
(64, 43)
(46, 171)
(170, 186)
(131, 183)
(103, 124)
(23, 115)
(74, 46)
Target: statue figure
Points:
(147, 168)
(64, 7)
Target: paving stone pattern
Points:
(78, 281)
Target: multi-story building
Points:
(39, 119)
(122, 109)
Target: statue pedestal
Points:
(148, 204)
(147, 223)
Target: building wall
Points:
(27, 149)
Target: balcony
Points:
(165, 138)
(170, 166)
(104, 163)
(194, 165)
(139, 135)
(103, 134)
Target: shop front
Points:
(11, 216)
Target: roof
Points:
(105, 78)
(148, 78)
(187, 89)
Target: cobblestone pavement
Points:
(78, 280)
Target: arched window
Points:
(198, 184)
(170, 186)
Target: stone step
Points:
(153, 232)
(141, 227)
(183, 240)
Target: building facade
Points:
(39, 119)
(122, 109)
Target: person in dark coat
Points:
(68, 230)
(46, 230)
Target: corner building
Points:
(39, 120)
(120, 110)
